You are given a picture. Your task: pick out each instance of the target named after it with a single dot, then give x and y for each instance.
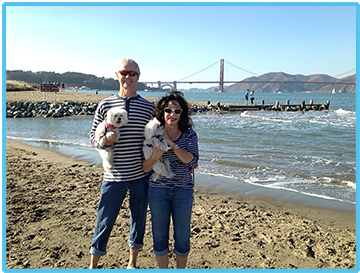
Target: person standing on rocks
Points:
(252, 96)
(127, 173)
(247, 96)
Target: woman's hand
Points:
(156, 155)
(168, 139)
(157, 152)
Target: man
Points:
(127, 172)
(247, 96)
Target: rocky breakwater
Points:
(20, 109)
(209, 107)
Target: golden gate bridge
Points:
(173, 84)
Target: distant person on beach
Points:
(173, 197)
(247, 96)
(252, 97)
(127, 173)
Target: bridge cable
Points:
(354, 69)
(199, 71)
(255, 74)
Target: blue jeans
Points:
(111, 199)
(176, 202)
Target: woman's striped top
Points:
(128, 149)
(183, 176)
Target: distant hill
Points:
(314, 83)
(264, 84)
(69, 78)
(258, 84)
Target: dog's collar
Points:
(109, 126)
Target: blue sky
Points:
(171, 42)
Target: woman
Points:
(252, 97)
(173, 196)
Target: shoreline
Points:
(225, 185)
(54, 197)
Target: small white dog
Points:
(115, 118)
(153, 132)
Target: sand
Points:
(61, 97)
(51, 204)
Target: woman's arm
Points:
(182, 154)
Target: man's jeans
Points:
(112, 197)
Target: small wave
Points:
(350, 184)
(333, 181)
(337, 123)
(266, 118)
(234, 164)
(245, 114)
(48, 141)
(216, 174)
(277, 186)
(344, 112)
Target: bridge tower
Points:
(221, 81)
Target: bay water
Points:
(312, 153)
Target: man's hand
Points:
(110, 138)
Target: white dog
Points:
(153, 134)
(115, 118)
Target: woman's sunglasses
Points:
(169, 110)
(124, 73)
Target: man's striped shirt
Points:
(128, 154)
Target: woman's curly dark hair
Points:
(185, 122)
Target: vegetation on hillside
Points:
(17, 85)
(69, 78)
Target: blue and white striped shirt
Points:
(183, 176)
(128, 149)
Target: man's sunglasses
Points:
(124, 73)
(169, 110)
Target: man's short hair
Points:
(129, 61)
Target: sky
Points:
(173, 41)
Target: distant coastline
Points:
(266, 83)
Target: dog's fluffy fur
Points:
(115, 118)
(153, 132)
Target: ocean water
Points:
(313, 153)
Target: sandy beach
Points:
(51, 209)
(61, 97)
(51, 205)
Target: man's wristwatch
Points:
(175, 147)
